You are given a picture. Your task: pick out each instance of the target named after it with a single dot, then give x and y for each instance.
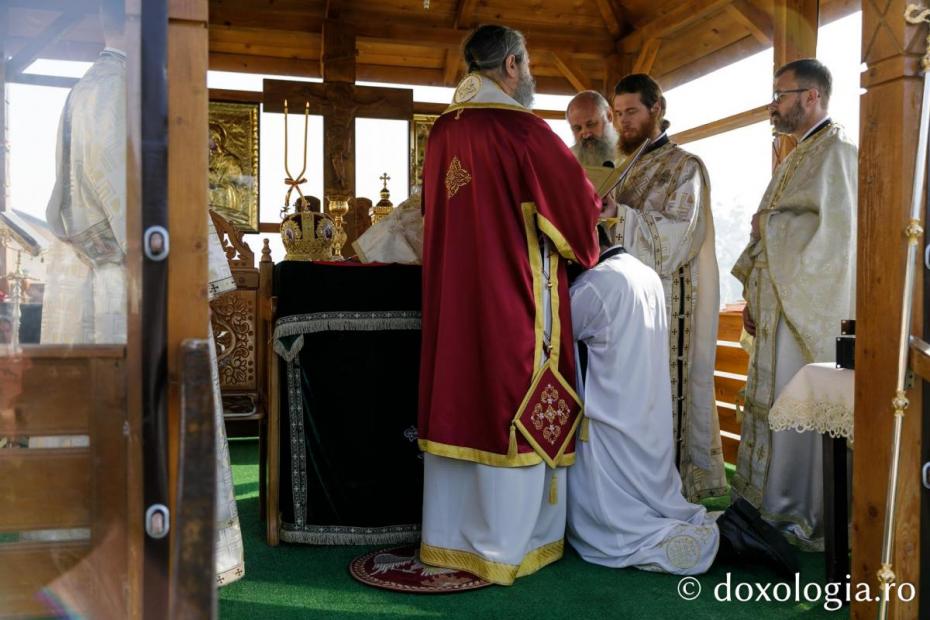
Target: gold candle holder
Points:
(338, 207)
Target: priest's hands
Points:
(754, 232)
(748, 324)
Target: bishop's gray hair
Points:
(489, 46)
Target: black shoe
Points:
(746, 537)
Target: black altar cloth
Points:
(349, 340)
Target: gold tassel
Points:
(554, 490)
(512, 447)
(583, 433)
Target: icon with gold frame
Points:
(233, 164)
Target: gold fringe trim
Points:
(554, 490)
(583, 433)
(522, 459)
(495, 572)
(512, 444)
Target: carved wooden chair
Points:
(242, 331)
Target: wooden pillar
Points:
(795, 36)
(338, 69)
(795, 24)
(888, 136)
(188, 310)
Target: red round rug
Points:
(400, 569)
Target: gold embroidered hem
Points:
(523, 459)
(495, 572)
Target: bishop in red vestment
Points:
(506, 205)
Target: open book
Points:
(606, 180)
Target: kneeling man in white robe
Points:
(625, 502)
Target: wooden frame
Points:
(419, 132)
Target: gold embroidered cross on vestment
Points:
(456, 178)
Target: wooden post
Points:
(795, 36)
(188, 310)
(888, 139)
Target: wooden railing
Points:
(729, 379)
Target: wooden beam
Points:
(414, 33)
(452, 67)
(758, 22)
(795, 27)
(796, 23)
(647, 56)
(245, 63)
(333, 9)
(56, 81)
(267, 40)
(736, 121)
(238, 96)
(887, 150)
(571, 71)
(683, 15)
(609, 15)
(337, 56)
(465, 14)
(29, 52)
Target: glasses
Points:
(779, 94)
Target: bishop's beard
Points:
(595, 151)
(526, 89)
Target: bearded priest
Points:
(664, 220)
(505, 207)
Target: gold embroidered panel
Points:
(233, 168)
(457, 177)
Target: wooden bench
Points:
(729, 379)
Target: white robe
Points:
(87, 211)
(625, 506)
(665, 220)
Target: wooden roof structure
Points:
(574, 44)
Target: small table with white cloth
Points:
(820, 398)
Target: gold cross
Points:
(384, 177)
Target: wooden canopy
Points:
(574, 44)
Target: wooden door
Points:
(72, 537)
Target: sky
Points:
(739, 162)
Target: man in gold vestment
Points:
(798, 275)
(664, 219)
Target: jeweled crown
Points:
(306, 234)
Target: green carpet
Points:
(296, 581)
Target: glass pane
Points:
(64, 269)
(739, 163)
(740, 86)
(838, 47)
(562, 129)
(382, 146)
